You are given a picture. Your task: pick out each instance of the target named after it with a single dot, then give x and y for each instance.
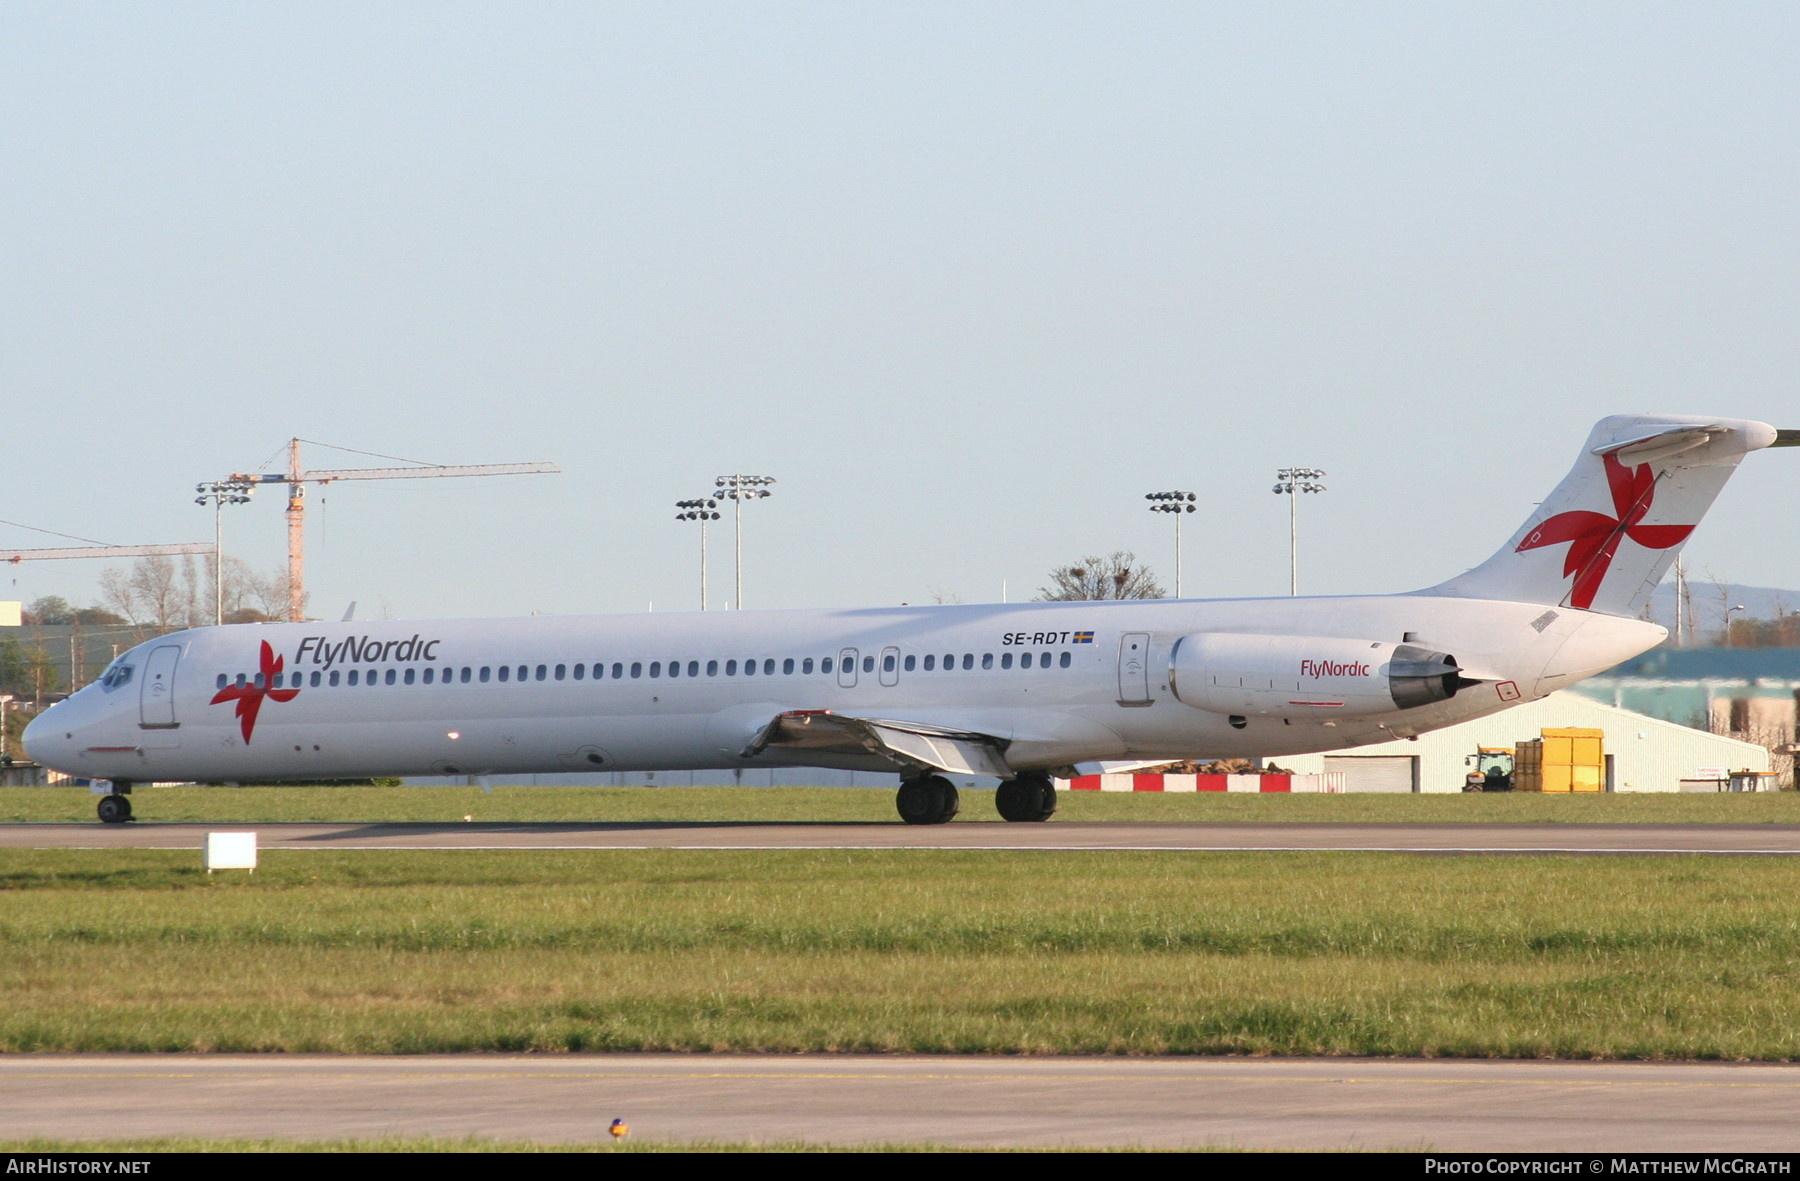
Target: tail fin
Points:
(1606, 536)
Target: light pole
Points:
(1292, 481)
(738, 489)
(220, 493)
(701, 511)
(1729, 612)
(1177, 503)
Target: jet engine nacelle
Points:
(1296, 676)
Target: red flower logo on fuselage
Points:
(249, 696)
(1593, 538)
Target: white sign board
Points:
(230, 850)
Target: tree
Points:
(1117, 576)
(48, 610)
(159, 594)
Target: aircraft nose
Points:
(47, 741)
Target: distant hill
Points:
(1710, 599)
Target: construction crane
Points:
(297, 478)
(104, 551)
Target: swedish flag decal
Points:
(1082, 638)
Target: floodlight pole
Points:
(220, 493)
(738, 489)
(1179, 503)
(701, 511)
(1292, 481)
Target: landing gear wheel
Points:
(1028, 798)
(931, 799)
(114, 809)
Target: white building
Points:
(1642, 753)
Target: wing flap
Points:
(908, 744)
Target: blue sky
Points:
(967, 279)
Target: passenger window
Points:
(430, 675)
(618, 670)
(332, 680)
(542, 673)
(1005, 660)
(523, 669)
(656, 668)
(353, 676)
(240, 680)
(693, 668)
(561, 671)
(221, 684)
(464, 678)
(506, 672)
(806, 665)
(968, 661)
(261, 681)
(887, 662)
(825, 666)
(749, 668)
(637, 669)
(987, 660)
(731, 668)
(485, 671)
(1044, 660)
(909, 663)
(1024, 660)
(769, 667)
(409, 676)
(712, 668)
(930, 662)
(1065, 660)
(787, 667)
(390, 676)
(868, 664)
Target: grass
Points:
(939, 951)
(773, 805)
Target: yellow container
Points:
(1574, 759)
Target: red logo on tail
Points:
(249, 696)
(1593, 538)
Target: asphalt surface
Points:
(1451, 1106)
(1405, 838)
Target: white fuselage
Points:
(1104, 681)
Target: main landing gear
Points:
(1030, 797)
(932, 799)
(929, 799)
(116, 808)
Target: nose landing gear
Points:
(929, 799)
(1030, 797)
(115, 808)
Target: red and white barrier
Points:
(1332, 782)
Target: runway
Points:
(1768, 839)
(1451, 1106)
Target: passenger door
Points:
(156, 705)
(1134, 668)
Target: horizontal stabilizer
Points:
(908, 744)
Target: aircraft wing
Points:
(914, 744)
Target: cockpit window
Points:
(118, 674)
